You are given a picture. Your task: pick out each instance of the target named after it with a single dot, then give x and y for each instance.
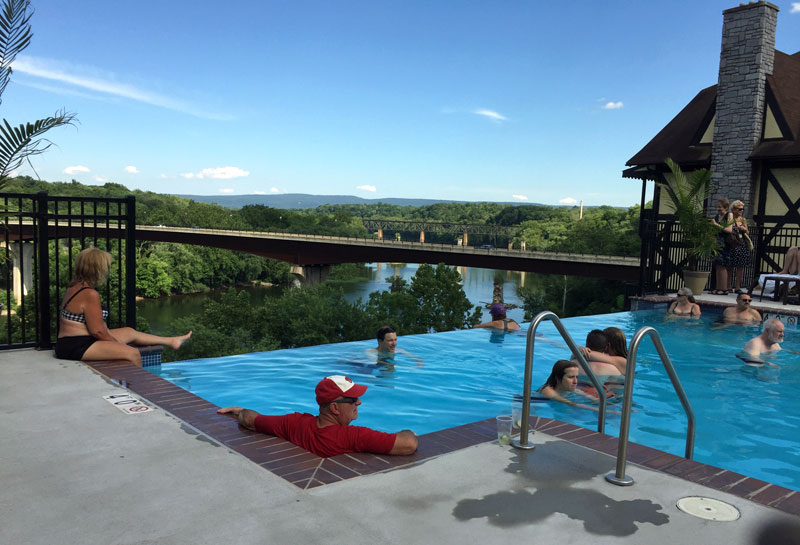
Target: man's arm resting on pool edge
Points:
(405, 443)
(246, 417)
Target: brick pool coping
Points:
(306, 470)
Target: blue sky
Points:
(526, 101)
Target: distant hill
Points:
(302, 200)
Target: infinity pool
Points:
(746, 422)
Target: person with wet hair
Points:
(387, 346)
(563, 379)
(596, 354)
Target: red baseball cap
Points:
(335, 386)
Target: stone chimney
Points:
(747, 57)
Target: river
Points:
(477, 284)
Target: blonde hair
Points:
(737, 203)
(616, 338)
(91, 266)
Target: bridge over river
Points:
(319, 250)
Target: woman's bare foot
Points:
(178, 341)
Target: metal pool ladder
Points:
(619, 477)
(522, 443)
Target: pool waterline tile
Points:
(306, 470)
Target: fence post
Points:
(41, 217)
(130, 261)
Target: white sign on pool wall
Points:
(127, 403)
(789, 320)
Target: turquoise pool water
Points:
(746, 422)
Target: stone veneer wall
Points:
(748, 53)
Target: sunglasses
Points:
(745, 300)
(346, 400)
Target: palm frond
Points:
(687, 194)
(21, 142)
(15, 35)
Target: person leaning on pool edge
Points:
(330, 432)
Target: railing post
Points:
(41, 216)
(130, 261)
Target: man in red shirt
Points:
(329, 433)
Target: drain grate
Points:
(708, 509)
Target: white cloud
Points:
(76, 169)
(613, 105)
(274, 190)
(371, 188)
(519, 197)
(219, 173)
(259, 192)
(567, 200)
(165, 176)
(101, 81)
(494, 116)
(101, 179)
(226, 190)
(131, 169)
(795, 7)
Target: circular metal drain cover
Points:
(708, 509)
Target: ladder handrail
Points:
(624, 427)
(526, 395)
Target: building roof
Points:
(680, 139)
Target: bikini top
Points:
(81, 318)
(675, 311)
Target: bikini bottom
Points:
(73, 348)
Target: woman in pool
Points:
(82, 331)
(684, 304)
(499, 320)
(563, 379)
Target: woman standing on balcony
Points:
(740, 252)
(82, 330)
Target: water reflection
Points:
(477, 283)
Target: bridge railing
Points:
(374, 240)
(40, 236)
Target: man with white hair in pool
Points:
(330, 432)
(771, 334)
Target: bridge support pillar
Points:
(465, 242)
(312, 275)
(380, 234)
(422, 236)
(22, 272)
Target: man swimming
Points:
(387, 346)
(742, 313)
(767, 342)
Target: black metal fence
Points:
(41, 235)
(664, 255)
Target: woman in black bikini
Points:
(684, 304)
(82, 330)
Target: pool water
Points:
(746, 422)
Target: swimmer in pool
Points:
(684, 304)
(563, 379)
(387, 347)
(597, 356)
(741, 313)
(767, 342)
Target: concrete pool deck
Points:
(77, 470)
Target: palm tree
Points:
(688, 194)
(18, 144)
